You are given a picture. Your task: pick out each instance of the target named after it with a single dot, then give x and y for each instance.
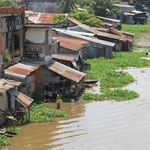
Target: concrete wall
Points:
(40, 52)
(35, 35)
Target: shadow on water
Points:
(105, 125)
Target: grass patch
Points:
(138, 30)
(39, 113)
(105, 70)
(4, 141)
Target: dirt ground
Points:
(143, 42)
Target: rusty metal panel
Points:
(8, 84)
(64, 56)
(99, 33)
(66, 71)
(71, 44)
(21, 69)
(21, 98)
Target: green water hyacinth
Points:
(39, 113)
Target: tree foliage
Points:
(105, 7)
(67, 6)
(83, 17)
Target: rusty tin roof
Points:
(21, 69)
(71, 44)
(100, 33)
(6, 85)
(21, 98)
(66, 71)
(64, 56)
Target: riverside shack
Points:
(95, 47)
(11, 98)
(122, 42)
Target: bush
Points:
(83, 17)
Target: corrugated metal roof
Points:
(21, 98)
(5, 85)
(64, 56)
(101, 42)
(71, 44)
(124, 6)
(21, 69)
(109, 19)
(42, 18)
(76, 32)
(99, 33)
(66, 71)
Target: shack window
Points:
(16, 41)
(6, 44)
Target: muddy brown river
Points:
(106, 125)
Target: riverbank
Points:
(39, 113)
(105, 70)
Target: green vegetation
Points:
(7, 2)
(4, 141)
(136, 28)
(83, 17)
(67, 5)
(117, 94)
(104, 70)
(105, 7)
(39, 113)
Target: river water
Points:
(106, 125)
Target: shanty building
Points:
(109, 22)
(28, 73)
(129, 15)
(95, 47)
(39, 44)
(122, 40)
(11, 100)
(71, 53)
(11, 34)
(61, 79)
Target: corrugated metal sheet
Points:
(66, 71)
(21, 69)
(64, 56)
(109, 19)
(21, 98)
(6, 85)
(77, 32)
(99, 33)
(71, 44)
(101, 42)
(41, 18)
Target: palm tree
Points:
(105, 7)
(67, 5)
